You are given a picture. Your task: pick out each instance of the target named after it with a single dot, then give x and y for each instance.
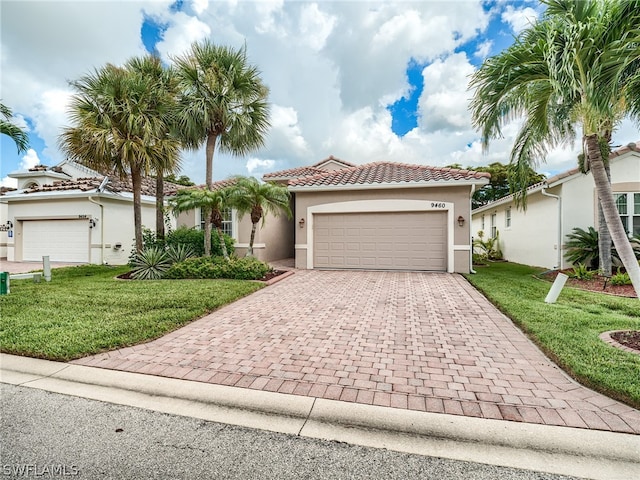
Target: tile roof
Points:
(115, 185)
(294, 173)
(385, 173)
(216, 185)
(332, 158)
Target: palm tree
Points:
(224, 103)
(165, 82)
(213, 201)
(578, 66)
(16, 133)
(120, 119)
(248, 195)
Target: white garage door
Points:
(62, 240)
(381, 241)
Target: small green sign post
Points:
(4, 283)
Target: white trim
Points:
(300, 246)
(64, 194)
(246, 245)
(387, 185)
(383, 205)
(462, 247)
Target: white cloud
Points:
(263, 166)
(29, 160)
(181, 33)
(315, 26)
(200, 6)
(483, 49)
(519, 19)
(9, 182)
(445, 98)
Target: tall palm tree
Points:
(166, 91)
(18, 135)
(120, 119)
(250, 196)
(214, 201)
(224, 103)
(578, 66)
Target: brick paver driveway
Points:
(420, 341)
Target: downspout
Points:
(559, 199)
(473, 190)
(90, 198)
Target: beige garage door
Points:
(385, 241)
(62, 240)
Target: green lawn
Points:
(568, 330)
(85, 310)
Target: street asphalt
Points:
(49, 435)
(155, 427)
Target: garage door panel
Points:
(382, 240)
(61, 240)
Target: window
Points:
(482, 223)
(628, 205)
(494, 229)
(227, 221)
(507, 218)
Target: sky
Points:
(362, 81)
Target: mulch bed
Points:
(630, 338)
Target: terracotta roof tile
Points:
(294, 173)
(331, 157)
(216, 185)
(386, 172)
(115, 185)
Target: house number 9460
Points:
(437, 205)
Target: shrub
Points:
(179, 252)
(620, 278)
(582, 247)
(217, 267)
(195, 239)
(582, 272)
(150, 264)
(489, 248)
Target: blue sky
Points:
(363, 81)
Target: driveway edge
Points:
(562, 450)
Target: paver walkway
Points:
(420, 341)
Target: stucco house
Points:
(383, 215)
(72, 214)
(536, 236)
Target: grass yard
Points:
(568, 330)
(85, 310)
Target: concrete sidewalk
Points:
(561, 450)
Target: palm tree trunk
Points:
(136, 181)
(604, 236)
(206, 214)
(160, 205)
(253, 237)
(618, 234)
(211, 146)
(223, 245)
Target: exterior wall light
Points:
(301, 223)
(9, 224)
(92, 223)
(460, 221)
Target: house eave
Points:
(26, 197)
(387, 186)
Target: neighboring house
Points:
(72, 214)
(555, 207)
